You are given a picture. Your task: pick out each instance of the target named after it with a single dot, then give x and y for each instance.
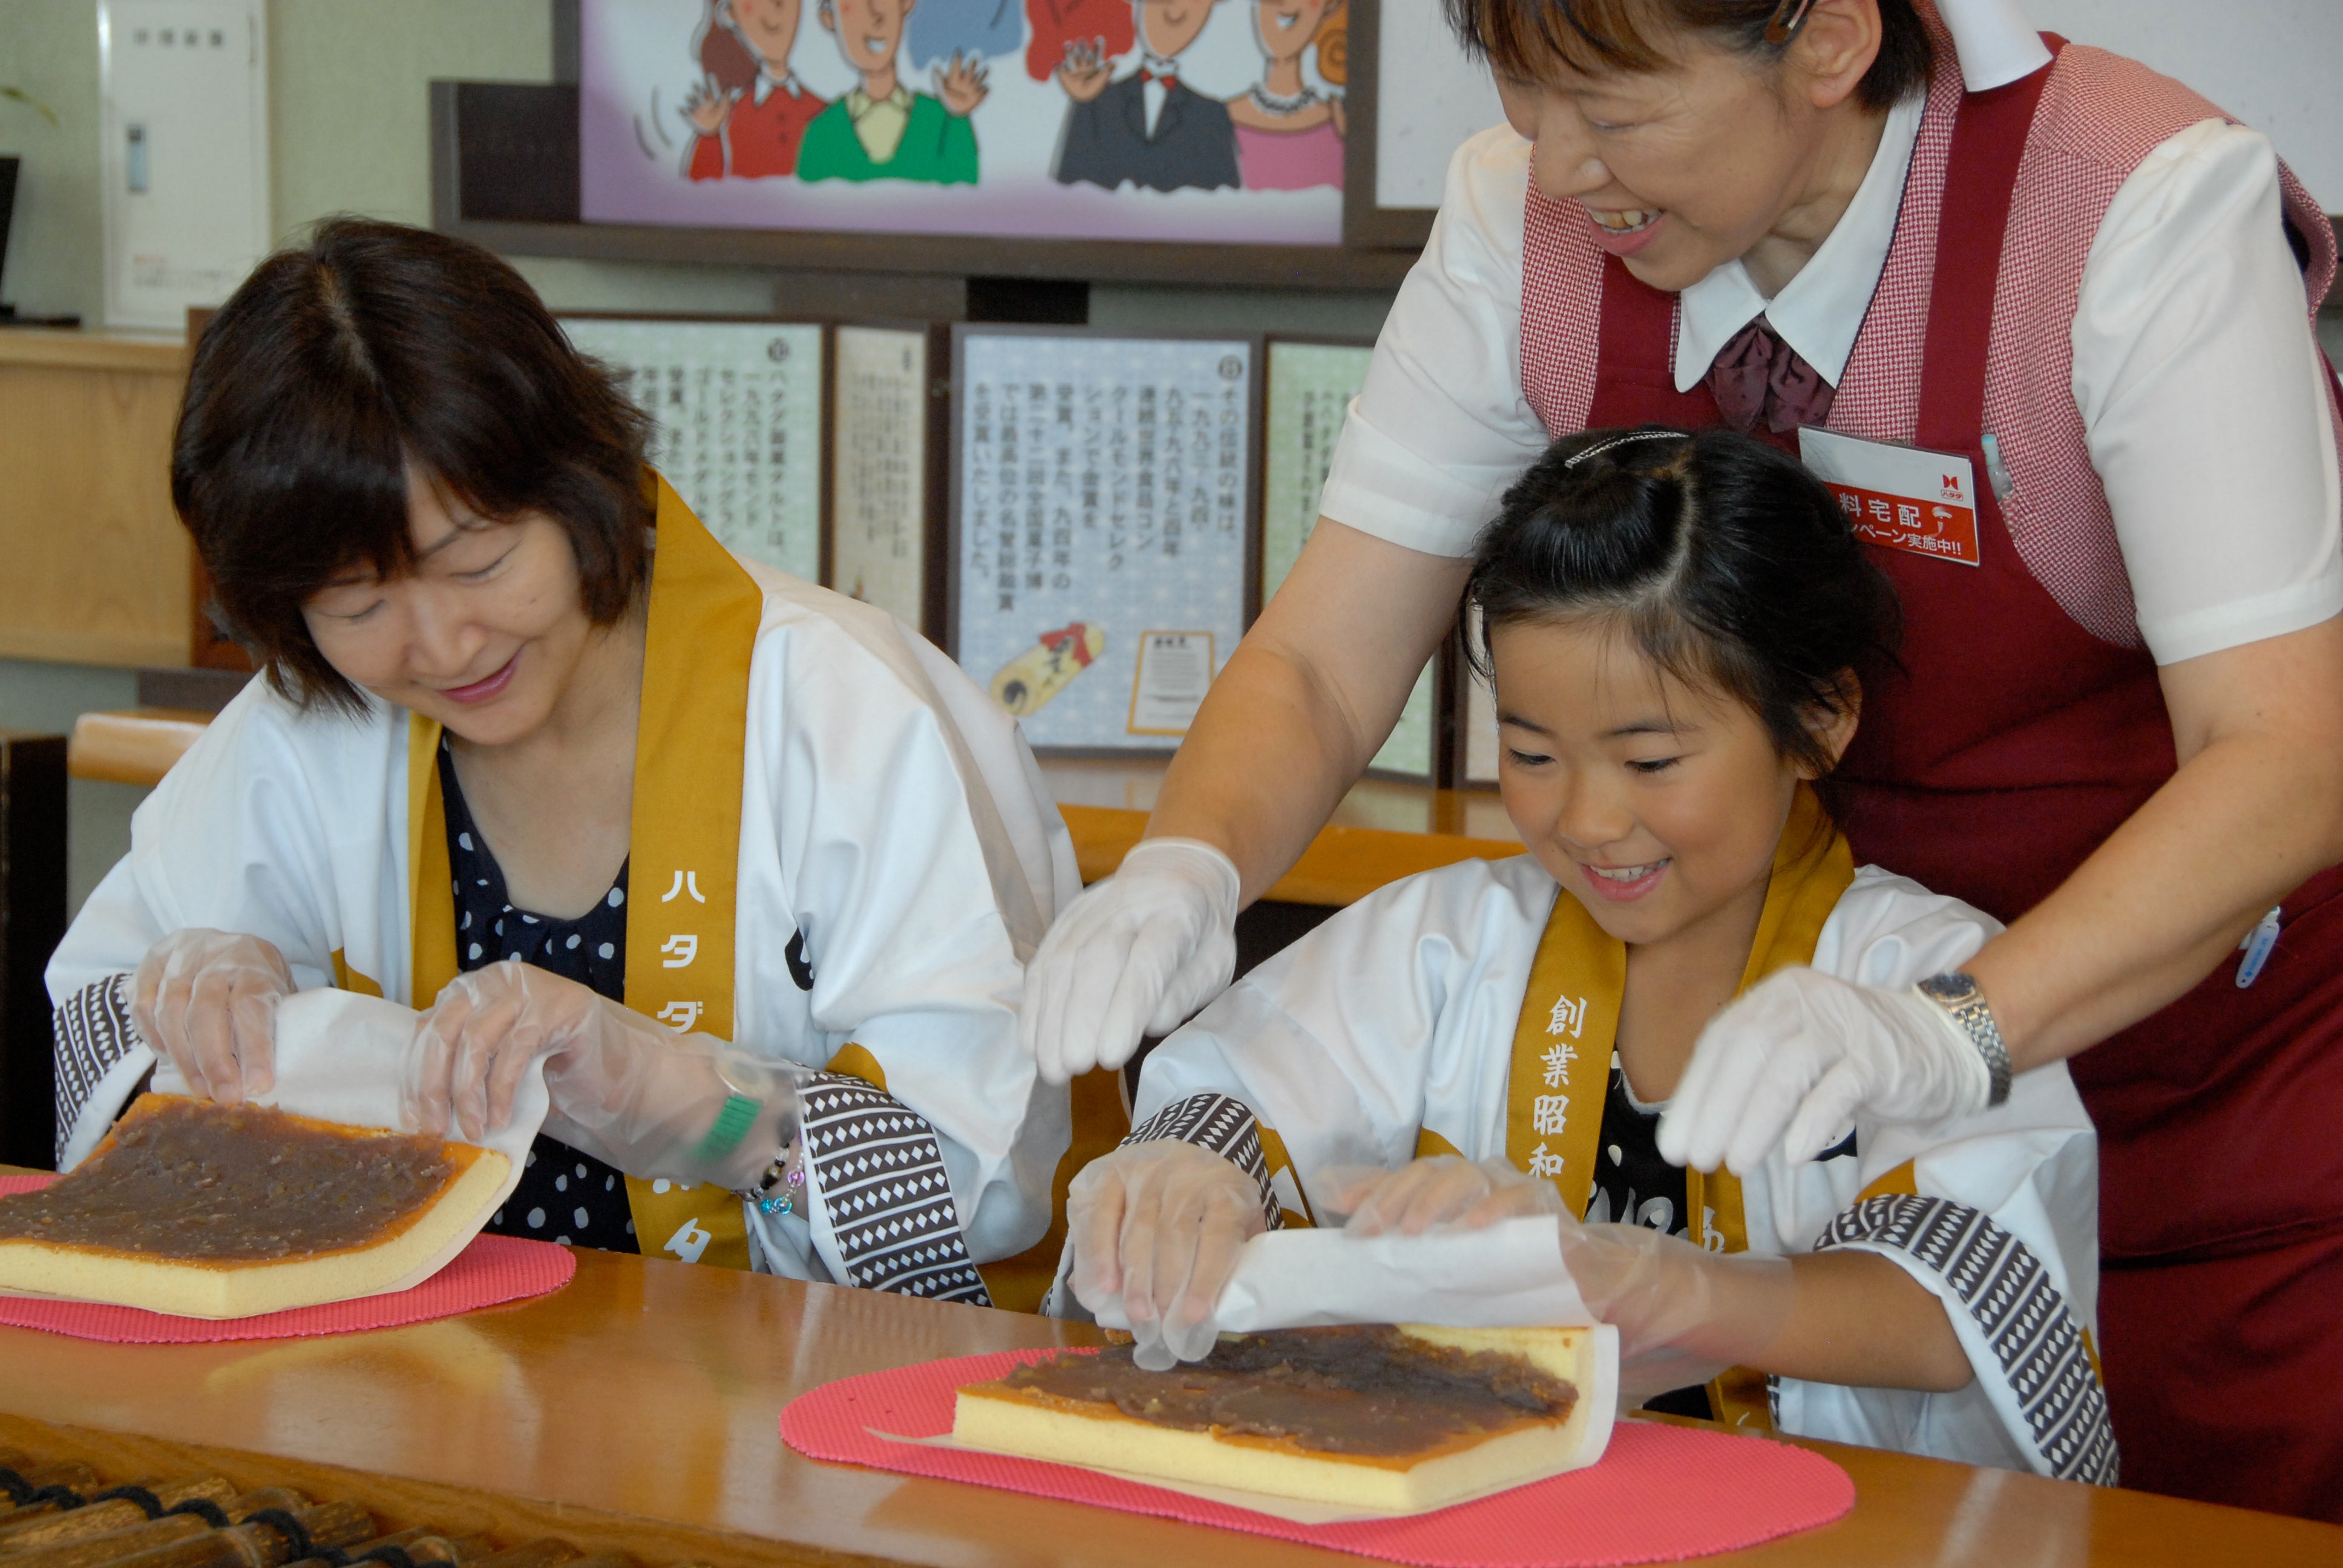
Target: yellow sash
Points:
(686, 847)
(1569, 1026)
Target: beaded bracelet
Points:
(777, 1191)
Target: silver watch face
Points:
(1951, 989)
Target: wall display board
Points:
(1022, 118)
(887, 437)
(1104, 487)
(738, 407)
(1309, 387)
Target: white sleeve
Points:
(903, 926)
(230, 841)
(2205, 401)
(1338, 1043)
(1998, 1219)
(1441, 428)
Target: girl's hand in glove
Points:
(207, 1000)
(1134, 955)
(1156, 1228)
(1683, 1314)
(1441, 1190)
(1792, 1061)
(647, 1100)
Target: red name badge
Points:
(1899, 497)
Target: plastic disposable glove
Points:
(648, 1101)
(1157, 1227)
(1442, 1190)
(1791, 1062)
(1134, 955)
(1683, 1314)
(207, 1000)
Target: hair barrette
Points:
(1600, 447)
(1788, 17)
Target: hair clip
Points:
(1788, 17)
(1601, 448)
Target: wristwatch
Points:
(1958, 995)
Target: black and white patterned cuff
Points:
(880, 1172)
(92, 1033)
(2023, 1317)
(1223, 1124)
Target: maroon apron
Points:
(2006, 750)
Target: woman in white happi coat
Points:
(533, 745)
(1674, 622)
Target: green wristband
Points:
(733, 1124)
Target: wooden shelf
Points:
(133, 746)
(1382, 831)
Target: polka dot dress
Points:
(564, 1194)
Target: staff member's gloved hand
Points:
(1134, 955)
(1440, 1190)
(645, 1099)
(1156, 1227)
(1683, 1314)
(207, 1000)
(1791, 1062)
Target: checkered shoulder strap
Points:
(1223, 1124)
(92, 1031)
(2010, 1296)
(880, 1172)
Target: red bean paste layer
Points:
(193, 1180)
(1363, 1390)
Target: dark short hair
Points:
(1523, 36)
(1725, 560)
(339, 363)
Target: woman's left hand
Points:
(1442, 1189)
(1791, 1062)
(484, 1031)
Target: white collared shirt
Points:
(1819, 312)
(1152, 92)
(766, 81)
(2202, 392)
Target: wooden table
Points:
(638, 1409)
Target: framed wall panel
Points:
(889, 466)
(738, 407)
(1105, 496)
(1310, 384)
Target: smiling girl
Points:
(1675, 624)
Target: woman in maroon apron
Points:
(2044, 320)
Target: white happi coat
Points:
(1399, 1014)
(889, 812)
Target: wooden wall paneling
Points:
(98, 566)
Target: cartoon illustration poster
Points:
(1189, 120)
(1102, 510)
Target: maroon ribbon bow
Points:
(1758, 376)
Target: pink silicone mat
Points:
(1661, 1492)
(492, 1270)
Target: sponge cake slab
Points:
(1360, 1454)
(204, 1210)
